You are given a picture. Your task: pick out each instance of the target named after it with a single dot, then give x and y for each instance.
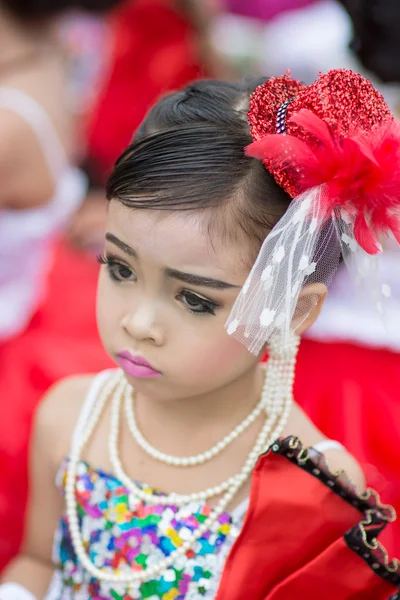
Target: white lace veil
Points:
(302, 251)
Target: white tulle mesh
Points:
(363, 267)
(300, 253)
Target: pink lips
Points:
(136, 366)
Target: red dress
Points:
(351, 392)
(307, 535)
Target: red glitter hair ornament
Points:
(334, 147)
(339, 132)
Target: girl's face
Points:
(164, 296)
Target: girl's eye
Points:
(117, 270)
(196, 304)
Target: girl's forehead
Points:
(174, 238)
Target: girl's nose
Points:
(141, 325)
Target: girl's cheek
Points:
(109, 309)
(223, 354)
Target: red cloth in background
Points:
(352, 393)
(154, 52)
(61, 340)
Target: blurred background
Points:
(76, 79)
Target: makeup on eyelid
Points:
(191, 279)
(191, 300)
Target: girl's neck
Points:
(21, 42)
(222, 408)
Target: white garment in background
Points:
(315, 39)
(308, 40)
(349, 316)
(26, 235)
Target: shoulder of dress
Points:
(339, 471)
(314, 523)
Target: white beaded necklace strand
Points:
(189, 461)
(178, 499)
(275, 410)
(280, 373)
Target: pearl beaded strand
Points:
(178, 499)
(101, 574)
(263, 441)
(74, 457)
(188, 461)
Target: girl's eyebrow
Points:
(121, 245)
(173, 273)
(198, 280)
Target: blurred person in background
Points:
(41, 187)
(375, 38)
(158, 46)
(307, 36)
(311, 38)
(155, 46)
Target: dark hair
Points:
(376, 25)
(188, 154)
(32, 10)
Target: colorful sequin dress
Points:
(120, 532)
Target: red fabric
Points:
(352, 394)
(292, 546)
(154, 52)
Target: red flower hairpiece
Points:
(334, 148)
(339, 132)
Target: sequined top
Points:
(121, 532)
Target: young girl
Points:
(188, 472)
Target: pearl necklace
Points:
(190, 461)
(280, 377)
(179, 499)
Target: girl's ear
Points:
(310, 303)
